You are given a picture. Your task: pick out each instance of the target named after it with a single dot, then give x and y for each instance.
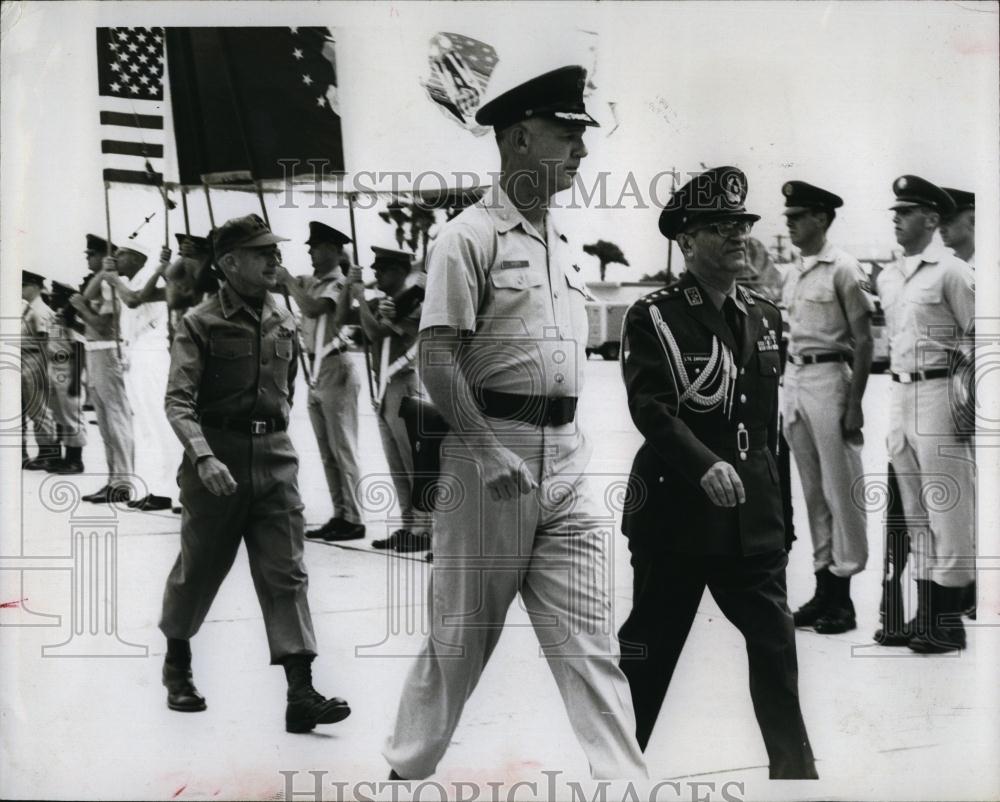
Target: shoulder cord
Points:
(721, 366)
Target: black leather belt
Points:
(534, 409)
(741, 441)
(920, 375)
(334, 352)
(816, 359)
(244, 425)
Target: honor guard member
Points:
(333, 397)
(65, 350)
(232, 376)
(144, 326)
(503, 332)
(100, 310)
(829, 358)
(929, 302)
(958, 232)
(36, 324)
(700, 361)
(392, 333)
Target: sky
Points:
(846, 96)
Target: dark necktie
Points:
(735, 323)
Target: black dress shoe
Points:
(346, 531)
(329, 526)
(391, 541)
(181, 693)
(118, 494)
(97, 496)
(415, 541)
(137, 501)
(67, 467)
(177, 510)
(153, 503)
(41, 463)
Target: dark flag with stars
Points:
(130, 83)
(245, 100)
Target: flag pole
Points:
(114, 294)
(208, 200)
(184, 206)
(364, 337)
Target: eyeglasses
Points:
(727, 228)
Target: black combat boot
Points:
(71, 463)
(839, 616)
(181, 693)
(812, 610)
(945, 632)
(306, 707)
(892, 633)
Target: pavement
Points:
(83, 714)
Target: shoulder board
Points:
(752, 296)
(670, 292)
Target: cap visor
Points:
(575, 117)
(905, 205)
(263, 239)
(795, 210)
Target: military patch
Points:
(515, 264)
(693, 296)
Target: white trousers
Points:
(551, 547)
(937, 480)
(814, 399)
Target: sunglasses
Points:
(728, 228)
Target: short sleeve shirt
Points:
(822, 299)
(928, 310)
(491, 272)
(36, 320)
(328, 286)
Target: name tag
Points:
(696, 359)
(513, 265)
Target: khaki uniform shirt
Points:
(399, 343)
(329, 286)
(490, 272)
(226, 360)
(36, 319)
(927, 311)
(822, 300)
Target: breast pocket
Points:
(516, 307)
(230, 364)
(818, 309)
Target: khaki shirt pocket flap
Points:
(820, 293)
(230, 347)
(283, 349)
(519, 279)
(927, 295)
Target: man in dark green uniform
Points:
(232, 376)
(700, 361)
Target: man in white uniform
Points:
(502, 334)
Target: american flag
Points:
(130, 70)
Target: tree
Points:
(607, 253)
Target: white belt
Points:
(102, 345)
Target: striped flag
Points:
(130, 70)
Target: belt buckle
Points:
(258, 427)
(905, 378)
(742, 441)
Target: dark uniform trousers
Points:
(230, 364)
(266, 512)
(702, 390)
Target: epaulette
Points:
(671, 291)
(752, 296)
